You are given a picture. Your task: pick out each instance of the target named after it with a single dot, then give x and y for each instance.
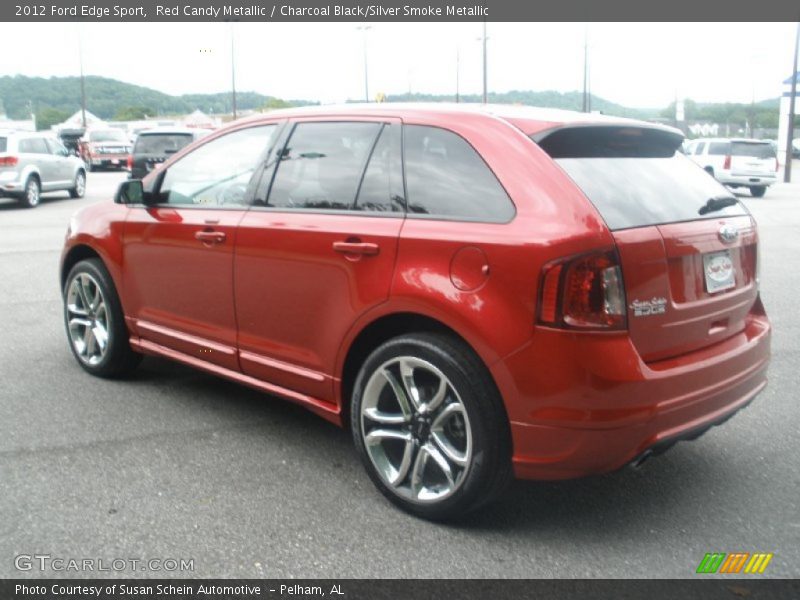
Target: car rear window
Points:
(719, 148)
(107, 135)
(161, 143)
(635, 177)
(752, 150)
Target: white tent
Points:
(76, 121)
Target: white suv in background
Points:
(737, 162)
(32, 163)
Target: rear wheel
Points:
(32, 193)
(758, 191)
(429, 426)
(79, 189)
(95, 323)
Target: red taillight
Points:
(8, 161)
(727, 164)
(130, 162)
(584, 292)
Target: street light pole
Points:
(233, 74)
(586, 70)
(485, 77)
(365, 28)
(458, 74)
(83, 86)
(787, 171)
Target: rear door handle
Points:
(363, 248)
(210, 237)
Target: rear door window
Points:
(3, 144)
(322, 164)
(719, 148)
(447, 179)
(382, 184)
(33, 146)
(636, 177)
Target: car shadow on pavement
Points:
(624, 501)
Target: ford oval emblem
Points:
(728, 234)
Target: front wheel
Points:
(95, 323)
(430, 427)
(758, 191)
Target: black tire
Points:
(78, 190)
(485, 436)
(117, 359)
(32, 193)
(758, 191)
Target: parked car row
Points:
(475, 293)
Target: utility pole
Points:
(233, 73)
(485, 77)
(458, 65)
(364, 29)
(83, 85)
(787, 171)
(586, 105)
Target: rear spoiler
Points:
(585, 140)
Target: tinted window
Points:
(445, 177)
(57, 147)
(321, 165)
(107, 135)
(719, 148)
(161, 144)
(217, 173)
(382, 180)
(635, 192)
(3, 144)
(700, 147)
(33, 146)
(752, 150)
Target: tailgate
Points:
(752, 158)
(686, 287)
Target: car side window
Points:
(216, 174)
(33, 146)
(719, 148)
(57, 148)
(321, 165)
(382, 182)
(446, 178)
(700, 147)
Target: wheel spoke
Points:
(442, 463)
(439, 396)
(82, 293)
(399, 393)
(89, 342)
(78, 322)
(407, 375)
(375, 438)
(440, 437)
(385, 418)
(100, 336)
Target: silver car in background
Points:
(32, 163)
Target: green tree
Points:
(275, 103)
(46, 117)
(133, 113)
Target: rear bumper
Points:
(607, 408)
(746, 180)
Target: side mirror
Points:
(130, 192)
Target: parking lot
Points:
(178, 464)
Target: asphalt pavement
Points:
(177, 464)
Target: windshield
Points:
(107, 135)
(161, 143)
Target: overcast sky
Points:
(634, 64)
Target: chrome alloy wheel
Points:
(32, 192)
(80, 185)
(415, 429)
(87, 319)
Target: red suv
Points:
(475, 292)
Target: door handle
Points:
(210, 237)
(363, 248)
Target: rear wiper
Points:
(717, 203)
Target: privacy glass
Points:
(321, 165)
(445, 177)
(636, 192)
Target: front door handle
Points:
(363, 248)
(210, 237)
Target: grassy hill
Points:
(108, 97)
